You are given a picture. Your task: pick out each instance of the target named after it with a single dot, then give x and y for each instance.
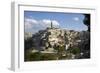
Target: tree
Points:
(86, 45)
(86, 21)
(28, 43)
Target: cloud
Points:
(56, 23)
(29, 23)
(47, 22)
(33, 25)
(31, 20)
(76, 19)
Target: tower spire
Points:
(51, 25)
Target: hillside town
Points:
(57, 44)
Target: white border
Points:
(18, 37)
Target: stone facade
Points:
(45, 39)
(59, 41)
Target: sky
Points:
(35, 21)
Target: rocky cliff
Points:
(55, 40)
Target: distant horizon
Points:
(35, 21)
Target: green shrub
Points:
(48, 56)
(59, 48)
(75, 50)
(35, 56)
(40, 56)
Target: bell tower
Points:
(51, 25)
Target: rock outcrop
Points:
(50, 39)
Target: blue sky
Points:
(35, 21)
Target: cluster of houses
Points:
(46, 40)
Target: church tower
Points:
(51, 25)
